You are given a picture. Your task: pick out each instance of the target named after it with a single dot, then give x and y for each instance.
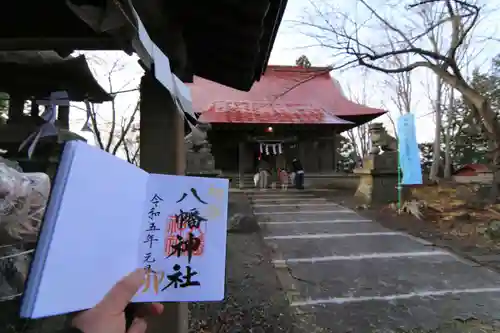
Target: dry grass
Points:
(460, 210)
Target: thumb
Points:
(139, 325)
(122, 292)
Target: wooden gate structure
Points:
(226, 41)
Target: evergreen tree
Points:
(346, 157)
(303, 61)
(426, 152)
(4, 106)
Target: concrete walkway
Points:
(349, 274)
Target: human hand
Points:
(108, 316)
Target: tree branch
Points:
(126, 129)
(93, 120)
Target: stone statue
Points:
(196, 141)
(378, 177)
(199, 158)
(381, 140)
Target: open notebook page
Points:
(96, 234)
(184, 239)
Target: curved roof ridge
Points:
(299, 69)
(285, 85)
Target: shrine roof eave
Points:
(353, 121)
(363, 118)
(245, 30)
(38, 73)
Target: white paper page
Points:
(167, 196)
(95, 241)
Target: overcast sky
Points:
(287, 48)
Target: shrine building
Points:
(292, 112)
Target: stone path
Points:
(349, 274)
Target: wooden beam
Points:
(271, 139)
(29, 44)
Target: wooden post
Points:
(241, 166)
(63, 116)
(34, 112)
(162, 151)
(334, 150)
(16, 108)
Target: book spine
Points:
(46, 230)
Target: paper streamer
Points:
(409, 154)
(86, 127)
(48, 128)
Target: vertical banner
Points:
(409, 154)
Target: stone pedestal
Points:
(378, 179)
(200, 162)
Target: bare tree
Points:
(359, 136)
(401, 86)
(450, 114)
(436, 147)
(131, 146)
(355, 40)
(116, 130)
(111, 135)
(360, 140)
(435, 40)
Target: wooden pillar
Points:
(305, 150)
(16, 108)
(63, 116)
(34, 111)
(326, 155)
(335, 144)
(241, 166)
(162, 151)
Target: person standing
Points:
(299, 173)
(263, 170)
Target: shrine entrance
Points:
(277, 154)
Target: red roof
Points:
(474, 167)
(277, 113)
(284, 94)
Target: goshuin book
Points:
(106, 217)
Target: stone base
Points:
(200, 163)
(377, 189)
(378, 179)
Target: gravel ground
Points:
(255, 301)
(11, 323)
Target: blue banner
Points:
(409, 153)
